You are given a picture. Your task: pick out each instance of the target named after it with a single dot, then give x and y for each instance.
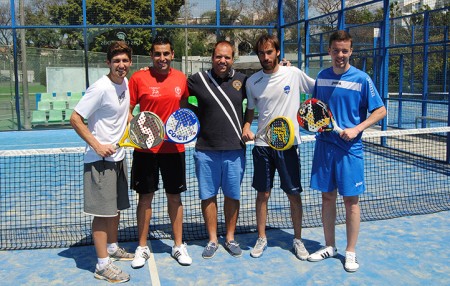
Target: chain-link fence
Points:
(60, 52)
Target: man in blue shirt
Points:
(338, 162)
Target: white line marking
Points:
(152, 267)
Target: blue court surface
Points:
(411, 250)
(403, 251)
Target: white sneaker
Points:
(142, 254)
(260, 246)
(351, 264)
(299, 249)
(181, 254)
(111, 273)
(321, 254)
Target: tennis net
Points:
(41, 191)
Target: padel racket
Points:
(279, 133)
(182, 126)
(314, 116)
(145, 130)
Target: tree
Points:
(237, 12)
(5, 20)
(112, 12)
(38, 14)
(325, 7)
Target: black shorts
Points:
(147, 166)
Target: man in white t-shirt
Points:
(105, 105)
(275, 91)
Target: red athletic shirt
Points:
(160, 94)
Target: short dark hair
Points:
(264, 39)
(118, 47)
(223, 42)
(340, 35)
(161, 40)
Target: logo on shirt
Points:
(154, 91)
(237, 85)
(372, 89)
(258, 80)
(121, 97)
(287, 89)
(336, 83)
(178, 91)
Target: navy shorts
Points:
(266, 160)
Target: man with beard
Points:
(160, 89)
(275, 91)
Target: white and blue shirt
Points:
(277, 94)
(349, 96)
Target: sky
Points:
(198, 7)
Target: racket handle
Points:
(116, 146)
(338, 129)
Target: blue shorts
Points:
(219, 169)
(334, 168)
(266, 160)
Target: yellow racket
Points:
(145, 130)
(279, 134)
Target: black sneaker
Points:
(233, 248)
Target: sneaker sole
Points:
(231, 253)
(138, 266)
(256, 255)
(183, 264)
(319, 259)
(208, 257)
(302, 258)
(121, 259)
(351, 270)
(99, 277)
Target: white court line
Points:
(152, 267)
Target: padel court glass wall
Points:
(57, 47)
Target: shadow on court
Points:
(410, 250)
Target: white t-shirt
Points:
(277, 94)
(105, 106)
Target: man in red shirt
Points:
(161, 90)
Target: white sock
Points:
(112, 247)
(102, 262)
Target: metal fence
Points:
(404, 48)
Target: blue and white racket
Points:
(182, 126)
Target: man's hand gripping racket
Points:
(279, 133)
(314, 116)
(145, 130)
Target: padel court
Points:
(45, 237)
